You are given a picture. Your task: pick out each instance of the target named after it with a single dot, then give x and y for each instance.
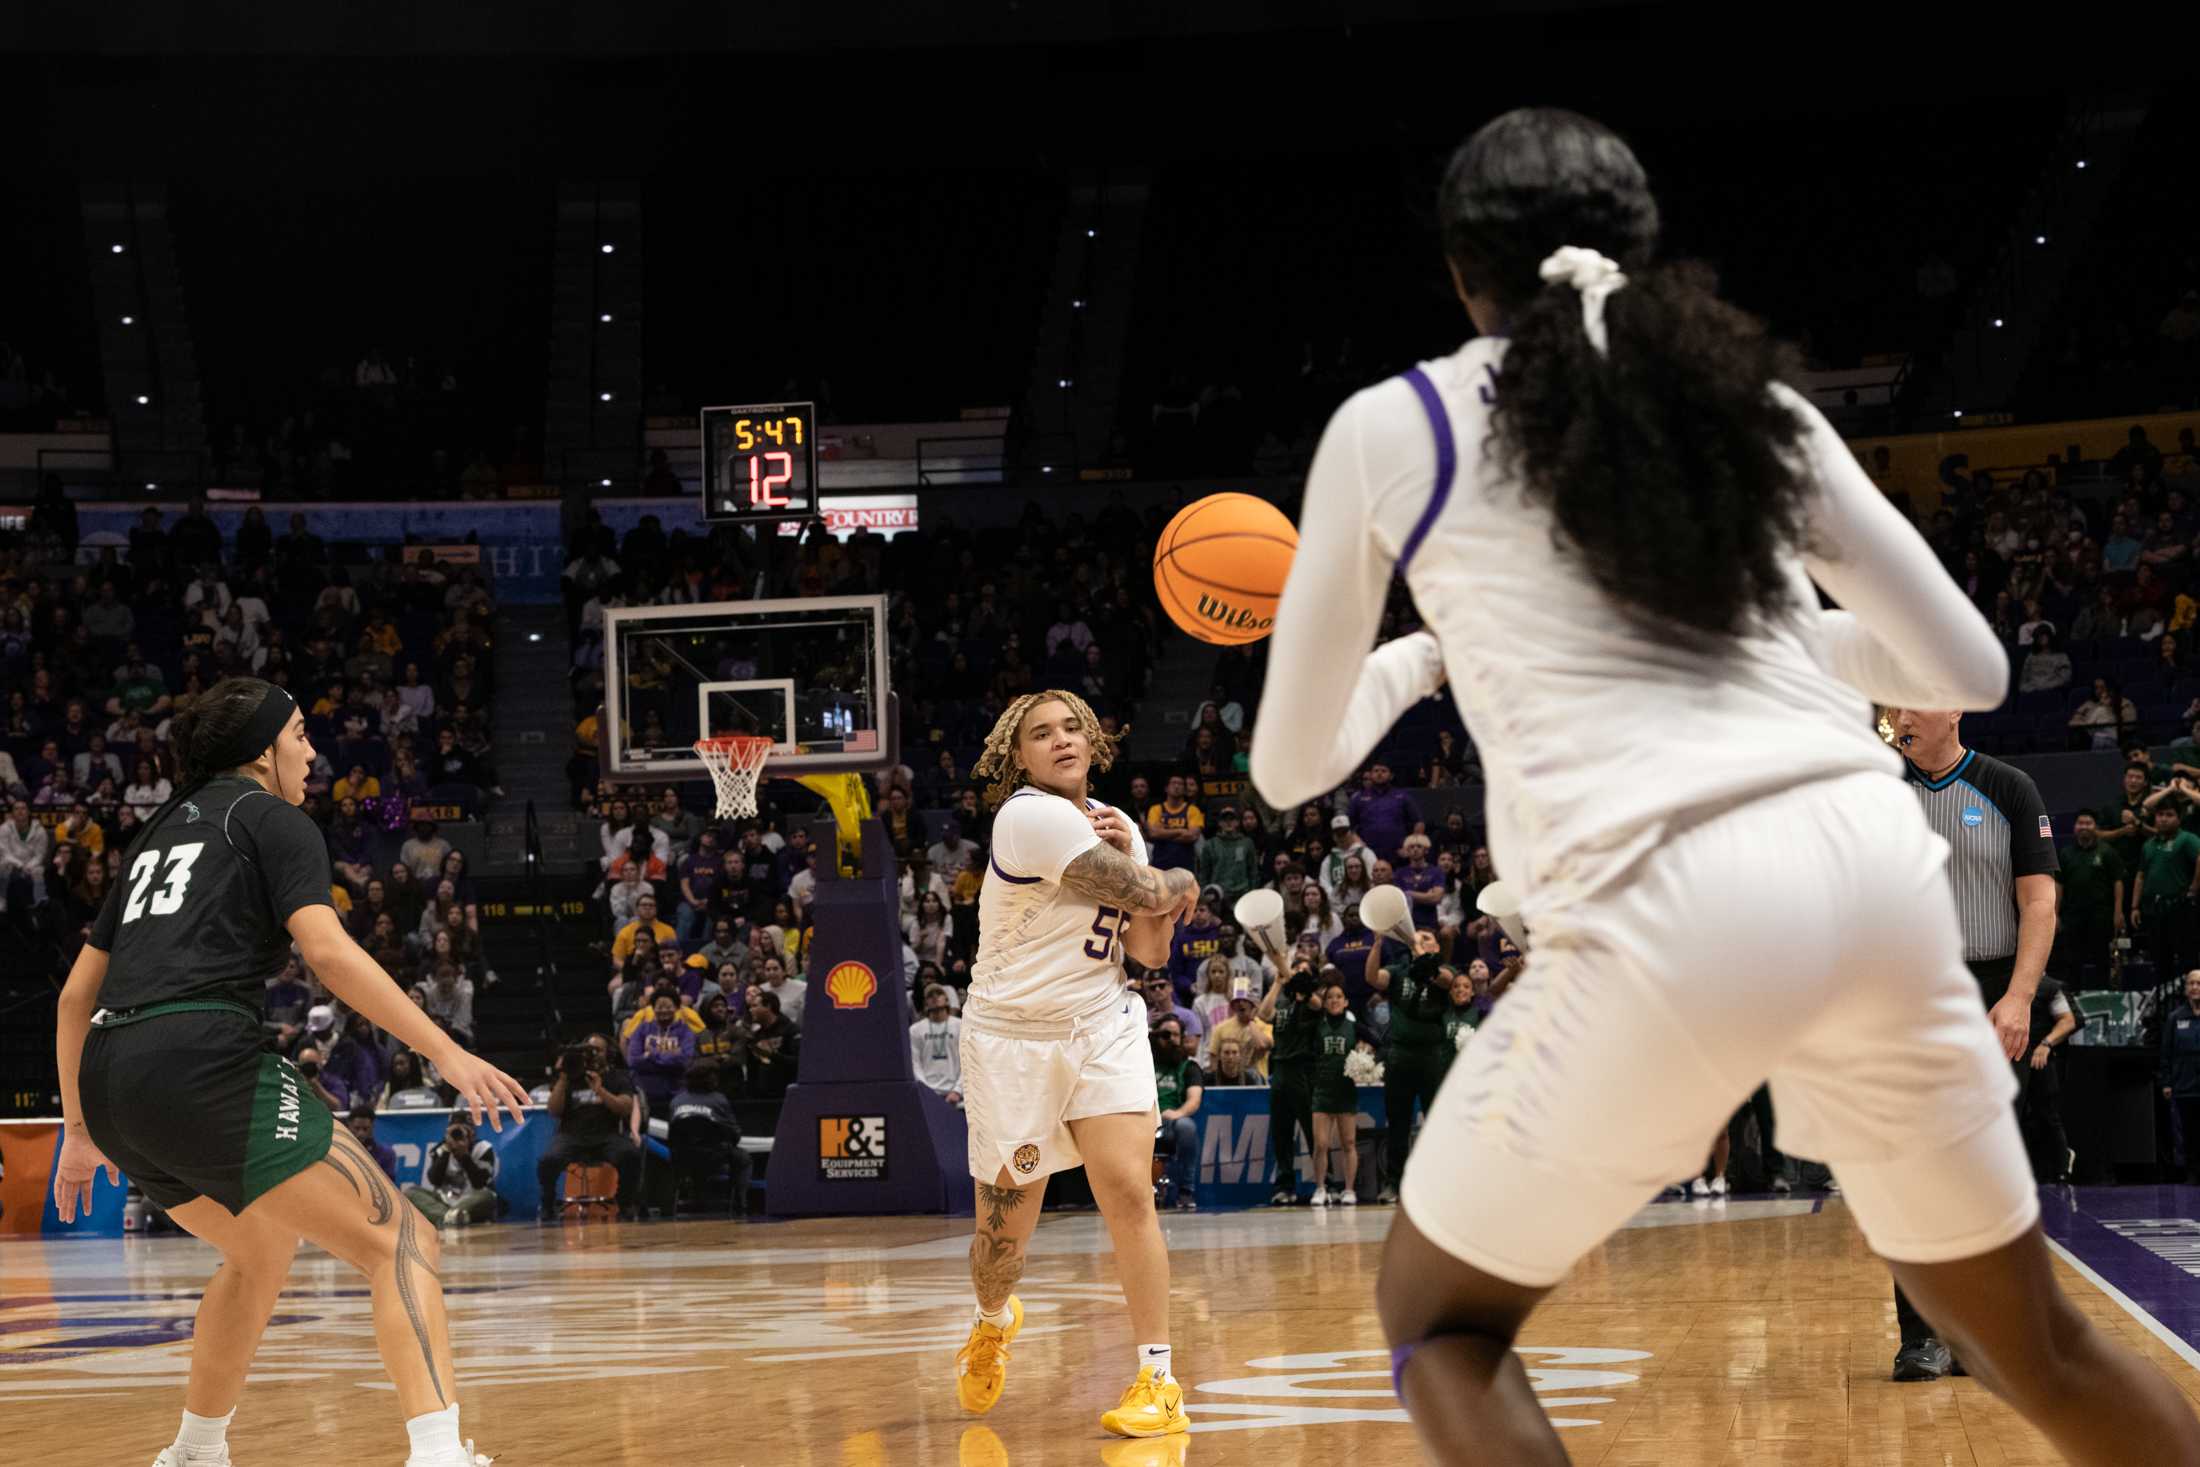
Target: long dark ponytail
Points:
(1662, 463)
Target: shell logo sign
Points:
(850, 985)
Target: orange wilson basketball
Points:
(1220, 565)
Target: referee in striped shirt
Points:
(2001, 866)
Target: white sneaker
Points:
(1348, 1198)
(468, 1458)
(1719, 1187)
(1699, 1188)
(1320, 1197)
(173, 1456)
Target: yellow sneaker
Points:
(1151, 1407)
(979, 1447)
(981, 1365)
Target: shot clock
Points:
(760, 462)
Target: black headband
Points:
(251, 741)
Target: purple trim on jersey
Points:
(1447, 462)
(1019, 880)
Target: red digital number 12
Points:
(762, 484)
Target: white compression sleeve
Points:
(1906, 635)
(1316, 723)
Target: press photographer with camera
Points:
(593, 1098)
(457, 1183)
(1294, 1011)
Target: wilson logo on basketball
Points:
(1027, 1158)
(850, 986)
(1237, 618)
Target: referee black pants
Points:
(1993, 976)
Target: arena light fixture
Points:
(143, 400)
(608, 249)
(604, 483)
(605, 317)
(1092, 234)
(604, 396)
(1063, 382)
(114, 249)
(129, 320)
(1959, 412)
(2039, 239)
(2081, 162)
(1997, 323)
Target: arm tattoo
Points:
(995, 1266)
(1108, 876)
(1001, 1201)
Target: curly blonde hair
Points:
(999, 757)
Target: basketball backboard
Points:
(811, 674)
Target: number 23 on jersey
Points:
(175, 880)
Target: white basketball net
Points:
(735, 765)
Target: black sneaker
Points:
(1955, 1367)
(1928, 1359)
(1284, 1199)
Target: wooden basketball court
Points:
(1754, 1332)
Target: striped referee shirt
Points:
(1997, 829)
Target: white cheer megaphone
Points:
(1384, 909)
(1260, 916)
(1499, 900)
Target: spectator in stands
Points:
(1211, 1000)
(448, 997)
(351, 845)
(288, 999)
(919, 880)
(1382, 815)
(699, 871)
(458, 1180)
(775, 1047)
(2046, 667)
(2163, 891)
(1174, 827)
(326, 1089)
(659, 1052)
(2179, 1071)
(929, 930)
(2127, 823)
(1228, 859)
(645, 919)
(724, 948)
(701, 1100)
(2103, 719)
(1179, 1088)
(2091, 915)
(1244, 1028)
(677, 825)
(592, 1099)
(1348, 953)
(1344, 845)
(625, 894)
(411, 1083)
(951, 851)
(1191, 946)
(789, 995)
(148, 790)
(935, 1046)
(904, 826)
(423, 853)
(1229, 1067)
(360, 1122)
(356, 1058)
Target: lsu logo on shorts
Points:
(1027, 1159)
(851, 1148)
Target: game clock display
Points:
(760, 462)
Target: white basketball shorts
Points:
(1023, 1083)
(1808, 938)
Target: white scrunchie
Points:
(1595, 277)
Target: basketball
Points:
(1220, 565)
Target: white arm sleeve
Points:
(1906, 635)
(1362, 497)
(1038, 835)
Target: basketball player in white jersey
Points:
(1610, 513)
(1057, 1069)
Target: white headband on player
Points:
(1595, 277)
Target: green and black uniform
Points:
(2085, 923)
(2166, 926)
(1415, 1056)
(1291, 1085)
(178, 1086)
(1334, 1092)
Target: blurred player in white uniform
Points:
(1611, 528)
(1057, 1069)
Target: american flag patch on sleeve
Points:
(2047, 828)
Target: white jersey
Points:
(1044, 954)
(1599, 736)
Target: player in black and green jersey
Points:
(1417, 1052)
(166, 1073)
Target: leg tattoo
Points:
(350, 1160)
(1002, 1201)
(408, 1251)
(996, 1264)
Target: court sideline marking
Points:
(2153, 1326)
